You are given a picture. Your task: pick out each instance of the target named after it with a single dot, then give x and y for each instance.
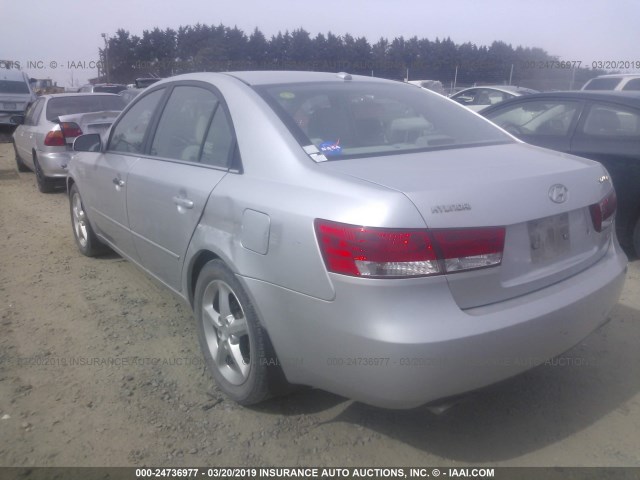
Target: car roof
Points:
(627, 98)
(504, 88)
(618, 75)
(272, 77)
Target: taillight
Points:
(383, 252)
(70, 129)
(603, 212)
(54, 138)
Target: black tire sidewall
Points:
(93, 246)
(22, 167)
(44, 184)
(635, 238)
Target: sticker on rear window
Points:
(330, 148)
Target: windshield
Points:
(82, 104)
(9, 86)
(362, 119)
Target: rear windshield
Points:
(82, 104)
(602, 84)
(363, 119)
(9, 86)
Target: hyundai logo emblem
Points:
(558, 193)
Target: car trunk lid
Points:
(541, 197)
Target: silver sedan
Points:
(44, 137)
(479, 98)
(349, 233)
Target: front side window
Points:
(360, 119)
(537, 117)
(129, 133)
(612, 121)
(184, 124)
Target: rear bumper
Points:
(404, 343)
(54, 164)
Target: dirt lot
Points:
(100, 366)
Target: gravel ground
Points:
(99, 366)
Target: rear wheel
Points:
(22, 167)
(85, 238)
(45, 184)
(636, 238)
(236, 348)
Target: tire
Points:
(22, 167)
(45, 184)
(243, 364)
(636, 238)
(85, 237)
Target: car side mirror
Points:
(91, 142)
(16, 120)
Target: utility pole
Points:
(106, 55)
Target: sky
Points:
(60, 39)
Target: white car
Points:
(628, 82)
(15, 94)
(479, 98)
(43, 139)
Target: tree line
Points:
(220, 48)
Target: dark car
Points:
(102, 88)
(602, 126)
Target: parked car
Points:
(478, 98)
(354, 234)
(130, 93)
(44, 137)
(15, 94)
(144, 82)
(617, 81)
(433, 85)
(102, 88)
(602, 126)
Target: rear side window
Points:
(184, 124)
(219, 142)
(602, 84)
(538, 117)
(33, 113)
(632, 85)
(129, 133)
(613, 121)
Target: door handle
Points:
(183, 202)
(118, 183)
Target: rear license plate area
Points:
(549, 238)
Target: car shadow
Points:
(523, 414)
